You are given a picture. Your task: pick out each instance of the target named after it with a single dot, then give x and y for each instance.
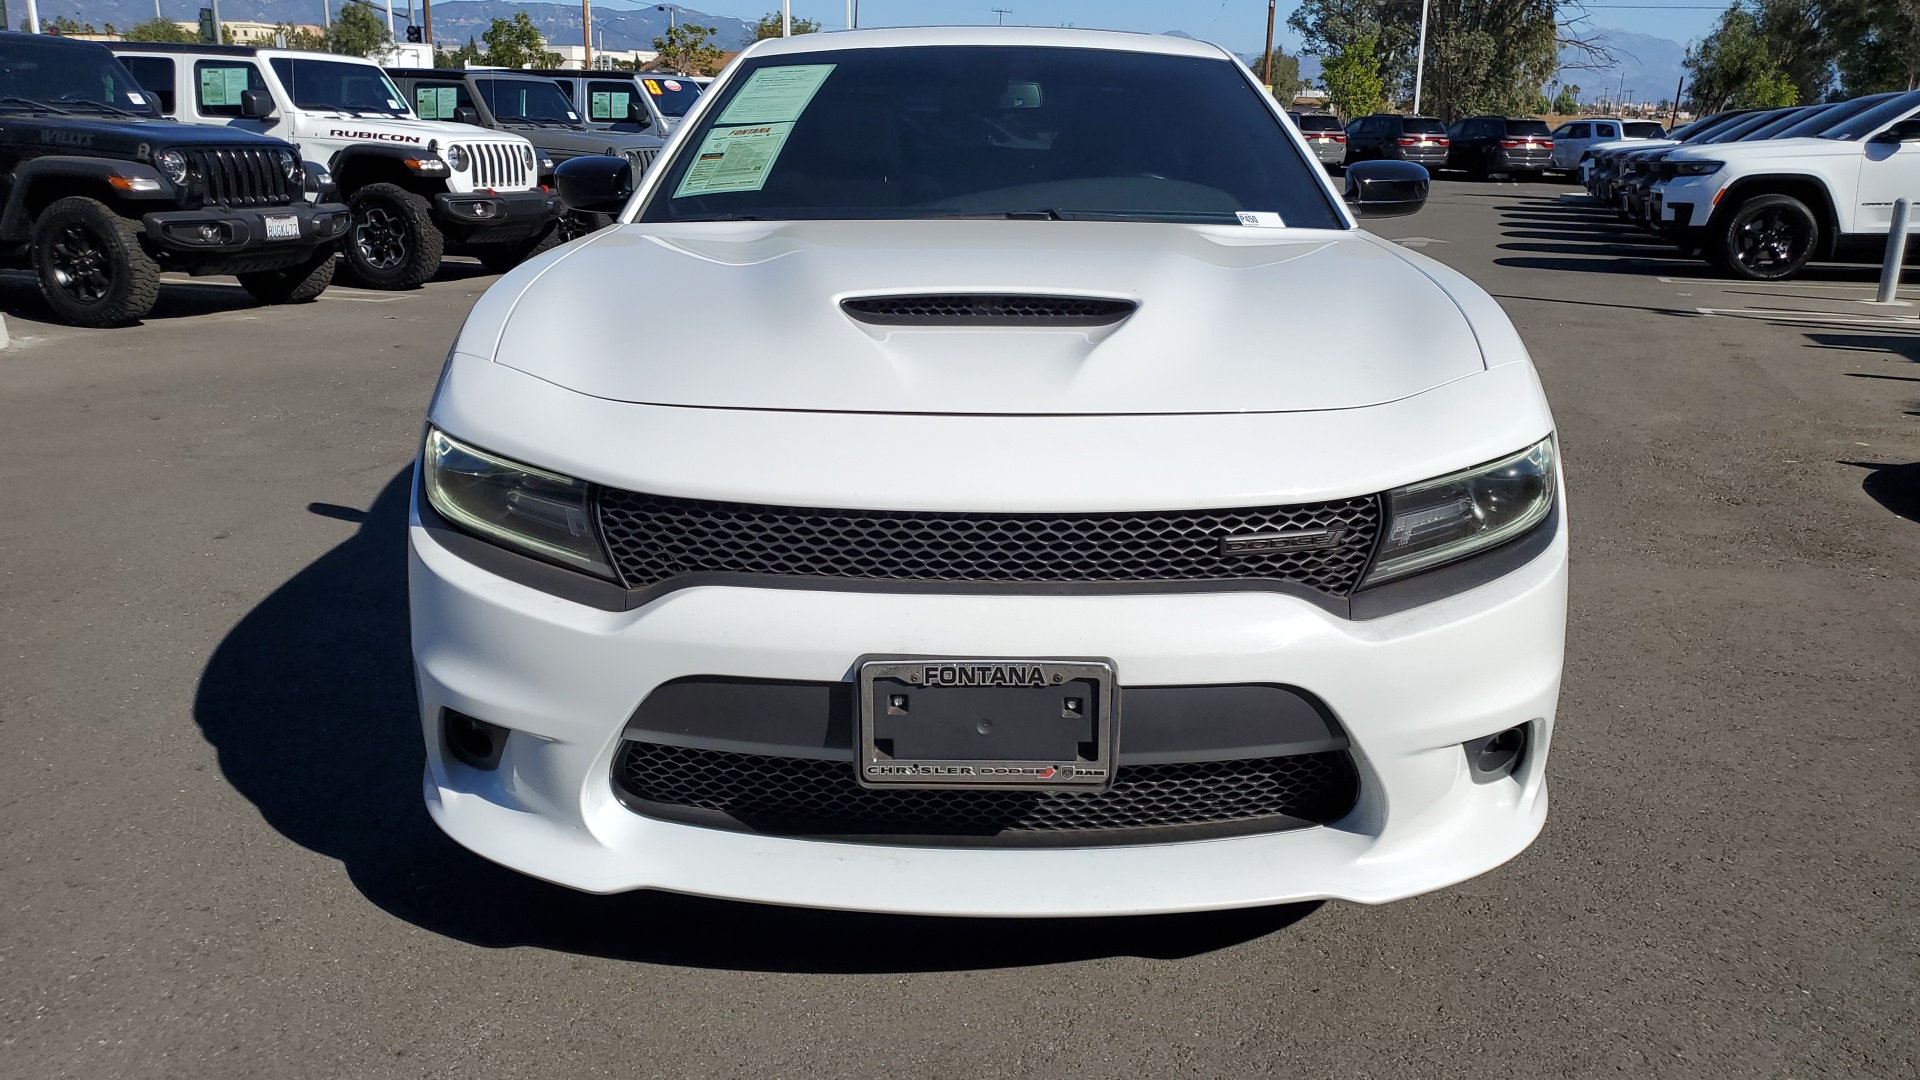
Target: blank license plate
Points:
(283, 227)
(1019, 724)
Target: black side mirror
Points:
(1383, 189)
(595, 183)
(467, 114)
(256, 104)
(1907, 130)
(637, 116)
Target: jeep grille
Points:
(501, 166)
(241, 177)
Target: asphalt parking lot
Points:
(217, 863)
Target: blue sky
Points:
(1239, 25)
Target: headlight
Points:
(457, 157)
(526, 155)
(1454, 516)
(1697, 168)
(172, 164)
(539, 513)
(289, 165)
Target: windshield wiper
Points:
(115, 109)
(34, 104)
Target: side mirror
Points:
(467, 114)
(1905, 131)
(595, 183)
(1384, 189)
(256, 104)
(637, 116)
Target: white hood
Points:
(747, 315)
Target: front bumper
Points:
(1408, 689)
(1687, 201)
(218, 233)
(482, 217)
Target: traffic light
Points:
(207, 36)
(413, 35)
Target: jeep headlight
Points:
(457, 157)
(526, 155)
(289, 165)
(172, 165)
(1452, 517)
(533, 511)
(1696, 168)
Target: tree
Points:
(1286, 80)
(1877, 45)
(769, 26)
(515, 43)
(357, 31)
(1567, 101)
(297, 38)
(466, 55)
(64, 26)
(688, 49)
(163, 30)
(1352, 78)
(1735, 67)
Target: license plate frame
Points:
(915, 727)
(283, 226)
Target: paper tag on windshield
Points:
(136, 98)
(734, 159)
(775, 95)
(1260, 219)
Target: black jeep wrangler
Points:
(98, 195)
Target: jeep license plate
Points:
(283, 227)
(1037, 725)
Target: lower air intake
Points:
(968, 309)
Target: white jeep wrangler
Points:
(1762, 210)
(414, 186)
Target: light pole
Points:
(670, 14)
(1267, 71)
(586, 34)
(1420, 58)
(786, 18)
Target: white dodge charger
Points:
(1030, 495)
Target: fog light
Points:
(483, 209)
(472, 742)
(1496, 756)
(212, 234)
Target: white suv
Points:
(1762, 210)
(1574, 138)
(413, 185)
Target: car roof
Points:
(906, 37)
(51, 40)
(187, 47)
(461, 73)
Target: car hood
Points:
(748, 315)
(404, 131)
(120, 135)
(585, 141)
(1770, 148)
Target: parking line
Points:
(1842, 318)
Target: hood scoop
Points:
(987, 309)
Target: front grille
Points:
(241, 177)
(499, 166)
(967, 309)
(641, 159)
(653, 539)
(808, 797)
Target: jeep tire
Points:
(92, 269)
(294, 284)
(1768, 238)
(393, 242)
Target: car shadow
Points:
(309, 703)
(1895, 487)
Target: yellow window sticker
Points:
(776, 95)
(734, 159)
(652, 87)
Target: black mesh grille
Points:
(241, 177)
(975, 309)
(803, 796)
(653, 539)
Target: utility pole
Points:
(1674, 116)
(326, 15)
(33, 16)
(219, 33)
(216, 19)
(586, 34)
(786, 18)
(1420, 58)
(1003, 13)
(426, 20)
(1267, 71)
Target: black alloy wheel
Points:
(393, 243)
(92, 268)
(1767, 239)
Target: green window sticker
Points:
(222, 85)
(609, 105)
(734, 159)
(776, 95)
(435, 102)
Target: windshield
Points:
(673, 97)
(1319, 122)
(1423, 125)
(1536, 129)
(1860, 125)
(1821, 119)
(336, 84)
(1741, 127)
(43, 78)
(527, 101)
(991, 131)
(1779, 123)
